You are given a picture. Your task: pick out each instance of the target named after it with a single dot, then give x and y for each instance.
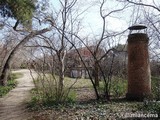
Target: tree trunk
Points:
(4, 76)
(7, 62)
(96, 74)
(61, 79)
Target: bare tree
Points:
(56, 44)
(99, 52)
(7, 61)
(19, 27)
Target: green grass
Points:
(114, 108)
(151, 106)
(118, 87)
(12, 83)
(46, 92)
(79, 83)
(91, 110)
(156, 88)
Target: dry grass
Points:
(78, 83)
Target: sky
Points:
(92, 20)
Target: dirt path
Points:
(12, 106)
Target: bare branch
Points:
(147, 5)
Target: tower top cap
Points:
(137, 27)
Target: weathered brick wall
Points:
(139, 79)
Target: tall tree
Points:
(21, 10)
(7, 62)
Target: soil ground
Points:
(12, 106)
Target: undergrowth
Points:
(12, 83)
(41, 100)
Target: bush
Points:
(46, 93)
(118, 87)
(12, 83)
(151, 106)
(50, 97)
(156, 88)
(41, 100)
(71, 97)
(5, 89)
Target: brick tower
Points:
(139, 78)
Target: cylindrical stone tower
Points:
(139, 78)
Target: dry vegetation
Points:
(85, 106)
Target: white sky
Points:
(92, 21)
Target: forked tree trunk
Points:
(61, 75)
(7, 62)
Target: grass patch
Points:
(91, 110)
(41, 100)
(118, 87)
(12, 83)
(16, 76)
(80, 83)
(46, 92)
(156, 88)
(151, 107)
(102, 110)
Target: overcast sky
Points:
(92, 20)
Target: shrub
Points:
(46, 92)
(151, 106)
(10, 85)
(40, 98)
(118, 87)
(5, 89)
(156, 88)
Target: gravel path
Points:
(12, 106)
